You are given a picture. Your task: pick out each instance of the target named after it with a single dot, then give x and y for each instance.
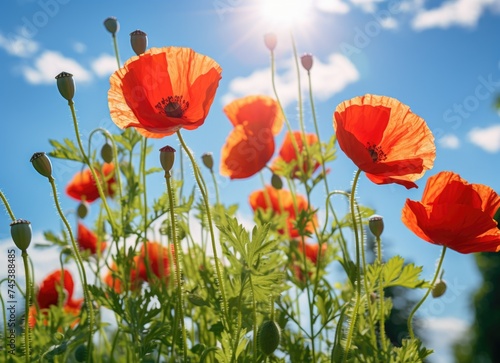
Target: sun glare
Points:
(285, 13)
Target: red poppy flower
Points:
(163, 90)
(83, 187)
(288, 155)
(158, 257)
(48, 294)
(455, 214)
(281, 202)
(112, 280)
(311, 253)
(87, 240)
(385, 139)
(248, 148)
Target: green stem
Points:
(111, 219)
(436, 274)
(203, 190)
(27, 298)
(177, 246)
(81, 268)
(7, 206)
(254, 318)
(383, 340)
(216, 187)
(352, 323)
(115, 46)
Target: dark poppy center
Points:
(376, 152)
(172, 106)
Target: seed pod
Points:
(270, 40)
(20, 230)
(208, 160)
(376, 224)
(269, 337)
(66, 85)
(439, 289)
(139, 41)
(276, 182)
(112, 25)
(307, 61)
(107, 153)
(42, 164)
(167, 157)
(82, 210)
(197, 300)
(81, 353)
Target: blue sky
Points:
(439, 57)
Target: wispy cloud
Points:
(18, 46)
(449, 141)
(369, 6)
(79, 47)
(487, 138)
(328, 78)
(441, 334)
(453, 13)
(104, 65)
(332, 6)
(49, 64)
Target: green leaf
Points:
(395, 273)
(66, 150)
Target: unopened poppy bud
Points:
(107, 153)
(112, 25)
(20, 230)
(66, 85)
(139, 41)
(82, 210)
(270, 40)
(307, 61)
(276, 182)
(167, 157)
(439, 289)
(42, 164)
(208, 160)
(376, 224)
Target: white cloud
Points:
(487, 138)
(49, 64)
(367, 5)
(389, 23)
(104, 66)
(332, 6)
(449, 142)
(18, 46)
(328, 79)
(79, 47)
(452, 12)
(441, 334)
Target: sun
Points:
(285, 13)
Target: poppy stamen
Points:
(376, 152)
(172, 106)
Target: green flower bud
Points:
(139, 41)
(20, 230)
(42, 164)
(66, 85)
(269, 337)
(112, 25)
(82, 210)
(208, 160)
(81, 353)
(439, 289)
(276, 182)
(107, 153)
(376, 224)
(307, 61)
(167, 157)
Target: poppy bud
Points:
(167, 158)
(81, 353)
(107, 153)
(66, 85)
(20, 230)
(376, 224)
(270, 40)
(307, 61)
(276, 182)
(139, 41)
(208, 160)
(112, 25)
(269, 337)
(82, 210)
(42, 164)
(439, 289)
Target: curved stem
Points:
(7, 206)
(111, 220)
(436, 274)
(203, 190)
(81, 268)
(177, 246)
(27, 298)
(358, 264)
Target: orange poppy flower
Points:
(83, 187)
(385, 139)
(163, 90)
(48, 294)
(455, 214)
(87, 240)
(248, 148)
(311, 253)
(281, 202)
(287, 154)
(112, 280)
